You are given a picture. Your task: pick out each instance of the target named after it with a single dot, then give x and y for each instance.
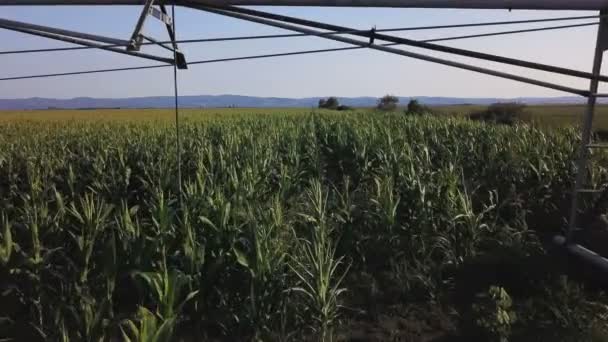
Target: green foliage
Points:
(317, 267)
(416, 108)
(329, 103)
(6, 248)
(344, 107)
(500, 113)
(494, 312)
(388, 103)
(147, 327)
(277, 214)
(567, 309)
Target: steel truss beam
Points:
(582, 166)
(68, 33)
(94, 41)
(83, 42)
(425, 45)
(586, 5)
(228, 12)
(137, 37)
(180, 59)
(161, 14)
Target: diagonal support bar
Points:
(394, 51)
(587, 128)
(85, 43)
(136, 37)
(80, 35)
(180, 58)
(414, 43)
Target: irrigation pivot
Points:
(586, 5)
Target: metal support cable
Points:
(295, 35)
(525, 80)
(266, 55)
(156, 42)
(63, 32)
(84, 72)
(500, 33)
(85, 43)
(414, 55)
(231, 59)
(275, 18)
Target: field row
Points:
(288, 227)
(542, 115)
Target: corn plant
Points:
(147, 327)
(6, 249)
(277, 217)
(91, 219)
(319, 270)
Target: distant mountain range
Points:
(215, 101)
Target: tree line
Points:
(506, 113)
(385, 103)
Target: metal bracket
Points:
(148, 10)
(158, 14)
(136, 37)
(108, 43)
(180, 58)
(372, 35)
(161, 14)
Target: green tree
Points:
(329, 103)
(415, 107)
(501, 113)
(388, 102)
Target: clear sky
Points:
(352, 73)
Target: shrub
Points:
(329, 103)
(344, 107)
(494, 315)
(388, 102)
(415, 107)
(500, 113)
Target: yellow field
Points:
(137, 114)
(543, 115)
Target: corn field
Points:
(286, 228)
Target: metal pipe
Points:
(135, 36)
(292, 35)
(397, 51)
(583, 253)
(421, 44)
(86, 43)
(587, 5)
(587, 121)
(18, 24)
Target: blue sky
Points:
(353, 73)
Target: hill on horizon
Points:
(216, 101)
